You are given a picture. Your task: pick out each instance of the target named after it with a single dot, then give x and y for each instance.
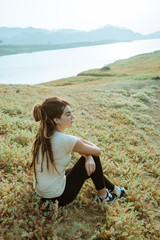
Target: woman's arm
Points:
(84, 147)
(87, 142)
(87, 149)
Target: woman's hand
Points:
(90, 165)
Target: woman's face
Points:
(66, 119)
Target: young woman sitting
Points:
(51, 154)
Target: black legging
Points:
(76, 176)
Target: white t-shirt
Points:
(50, 183)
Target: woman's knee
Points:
(96, 158)
(97, 161)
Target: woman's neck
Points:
(60, 129)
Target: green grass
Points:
(120, 113)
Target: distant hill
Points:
(35, 36)
(154, 35)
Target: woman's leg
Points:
(108, 184)
(99, 175)
(76, 177)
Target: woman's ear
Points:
(55, 120)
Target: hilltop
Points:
(117, 108)
(23, 40)
(35, 36)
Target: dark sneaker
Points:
(120, 192)
(110, 198)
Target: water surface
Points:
(44, 66)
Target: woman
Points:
(51, 153)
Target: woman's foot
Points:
(120, 191)
(108, 199)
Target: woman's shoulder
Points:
(63, 136)
(68, 141)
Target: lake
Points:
(44, 66)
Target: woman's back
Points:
(51, 182)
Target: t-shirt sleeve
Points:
(70, 142)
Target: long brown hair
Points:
(45, 113)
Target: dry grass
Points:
(121, 115)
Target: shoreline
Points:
(73, 75)
(110, 72)
(18, 49)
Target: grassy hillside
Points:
(117, 108)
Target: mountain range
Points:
(36, 36)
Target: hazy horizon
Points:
(139, 16)
(64, 29)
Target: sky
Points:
(138, 15)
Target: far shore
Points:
(16, 49)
